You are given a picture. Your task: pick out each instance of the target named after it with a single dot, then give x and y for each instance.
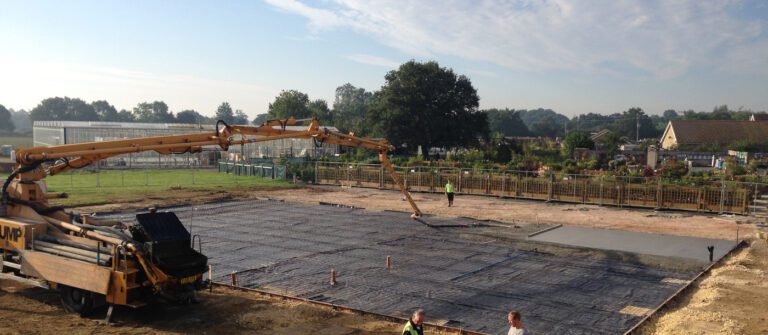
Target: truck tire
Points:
(76, 300)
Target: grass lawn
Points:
(115, 186)
(16, 141)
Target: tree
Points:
(670, 114)
(259, 119)
(240, 117)
(105, 111)
(506, 122)
(536, 116)
(189, 116)
(125, 116)
(21, 120)
(319, 109)
(6, 124)
(290, 103)
(634, 123)
(548, 127)
(350, 106)
(224, 113)
(574, 140)
(153, 112)
(423, 104)
(63, 109)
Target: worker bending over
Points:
(415, 325)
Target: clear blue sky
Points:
(571, 56)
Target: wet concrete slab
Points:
(291, 248)
(635, 242)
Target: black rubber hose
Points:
(15, 173)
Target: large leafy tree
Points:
(576, 139)
(63, 109)
(423, 104)
(350, 105)
(507, 122)
(6, 124)
(153, 112)
(290, 103)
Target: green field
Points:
(115, 186)
(16, 141)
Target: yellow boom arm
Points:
(74, 156)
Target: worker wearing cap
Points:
(415, 325)
(449, 193)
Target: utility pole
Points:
(637, 128)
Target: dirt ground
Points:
(731, 299)
(723, 302)
(25, 310)
(490, 208)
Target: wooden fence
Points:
(714, 197)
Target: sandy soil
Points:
(731, 299)
(25, 310)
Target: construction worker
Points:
(415, 325)
(449, 193)
(516, 324)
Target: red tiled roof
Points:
(719, 131)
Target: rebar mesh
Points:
(291, 249)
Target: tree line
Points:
(420, 105)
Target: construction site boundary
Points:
(715, 197)
(685, 288)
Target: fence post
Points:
(458, 181)
(504, 183)
(602, 181)
(659, 194)
(722, 197)
(381, 176)
(551, 186)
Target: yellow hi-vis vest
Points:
(409, 329)
(449, 188)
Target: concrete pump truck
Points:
(95, 262)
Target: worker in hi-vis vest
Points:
(449, 193)
(415, 325)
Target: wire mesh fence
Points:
(714, 196)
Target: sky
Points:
(571, 56)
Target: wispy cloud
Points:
(373, 60)
(661, 38)
(29, 80)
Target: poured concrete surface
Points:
(634, 242)
(291, 248)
